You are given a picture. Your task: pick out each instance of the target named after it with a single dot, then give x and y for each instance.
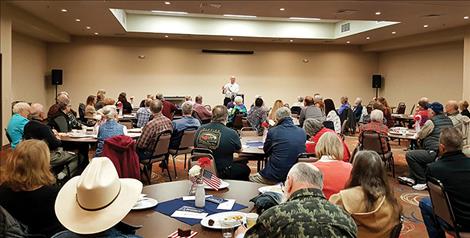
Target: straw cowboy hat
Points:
(97, 200)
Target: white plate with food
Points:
(224, 220)
(145, 203)
(223, 185)
(274, 188)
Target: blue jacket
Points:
(283, 144)
(16, 129)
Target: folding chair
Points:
(158, 154)
(186, 145)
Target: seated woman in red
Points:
(315, 129)
(27, 188)
(335, 171)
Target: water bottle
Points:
(200, 195)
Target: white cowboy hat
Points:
(96, 200)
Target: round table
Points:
(251, 150)
(91, 138)
(159, 225)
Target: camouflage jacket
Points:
(306, 214)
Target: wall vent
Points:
(345, 27)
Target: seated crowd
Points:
(335, 195)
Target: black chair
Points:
(329, 125)
(397, 228)
(295, 110)
(185, 141)
(371, 140)
(81, 112)
(401, 108)
(442, 207)
(159, 153)
(61, 123)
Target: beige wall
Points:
(179, 68)
(432, 71)
(29, 67)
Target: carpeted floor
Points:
(413, 225)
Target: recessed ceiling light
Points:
(231, 38)
(291, 40)
(167, 3)
(169, 12)
(77, 20)
(367, 38)
(282, 9)
(240, 16)
(426, 26)
(305, 18)
(96, 33)
(88, 27)
(466, 17)
(378, 13)
(394, 32)
(166, 36)
(348, 42)
(64, 10)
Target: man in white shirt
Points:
(230, 90)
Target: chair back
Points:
(195, 115)
(395, 233)
(440, 201)
(187, 140)
(412, 111)
(307, 158)
(248, 131)
(81, 112)
(238, 121)
(8, 135)
(200, 150)
(401, 108)
(193, 161)
(371, 140)
(162, 144)
(62, 124)
(295, 110)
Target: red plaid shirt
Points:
(378, 127)
(154, 127)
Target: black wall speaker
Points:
(376, 81)
(56, 76)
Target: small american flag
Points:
(210, 179)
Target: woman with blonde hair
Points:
(277, 104)
(27, 190)
(335, 171)
(369, 198)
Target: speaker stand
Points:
(376, 92)
(56, 93)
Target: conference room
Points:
(234, 118)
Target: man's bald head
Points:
(309, 101)
(37, 112)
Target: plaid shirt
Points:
(154, 127)
(378, 127)
(143, 116)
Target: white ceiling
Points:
(413, 15)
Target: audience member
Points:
(201, 111)
(299, 102)
(376, 124)
(335, 171)
(452, 169)
(272, 114)
(463, 105)
(357, 109)
(94, 203)
(100, 97)
(387, 111)
(61, 120)
(109, 128)
(90, 110)
(185, 123)
(318, 100)
(332, 114)
(452, 111)
(429, 135)
(366, 113)
(238, 108)
(368, 197)
(223, 142)
(257, 115)
(315, 129)
(152, 129)
(126, 106)
(344, 105)
(27, 188)
(421, 115)
(108, 102)
(15, 128)
(143, 114)
(168, 107)
(310, 111)
(149, 97)
(61, 99)
(284, 142)
(306, 213)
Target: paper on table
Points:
(193, 215)
(227, 205)
(187, 198)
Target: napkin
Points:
(226, 205)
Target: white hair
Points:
(238, 99)
(108, 112)
(282, 112)
(377, 115)
(187, 108)
(306, 173)
(21, 107)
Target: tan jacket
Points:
(376, 223)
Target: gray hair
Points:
(108, 112)
(312, 126)
(21, 107)
(238, 99)
(452, 139)
(63, 98)
(282, 112)
(300, 99)
(36, 110)
(219, 114)
(377, 115)
(156, 106)
(187, 108)
(306, 173)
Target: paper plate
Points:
(224, 220)
(145, 203)
(223, 185)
